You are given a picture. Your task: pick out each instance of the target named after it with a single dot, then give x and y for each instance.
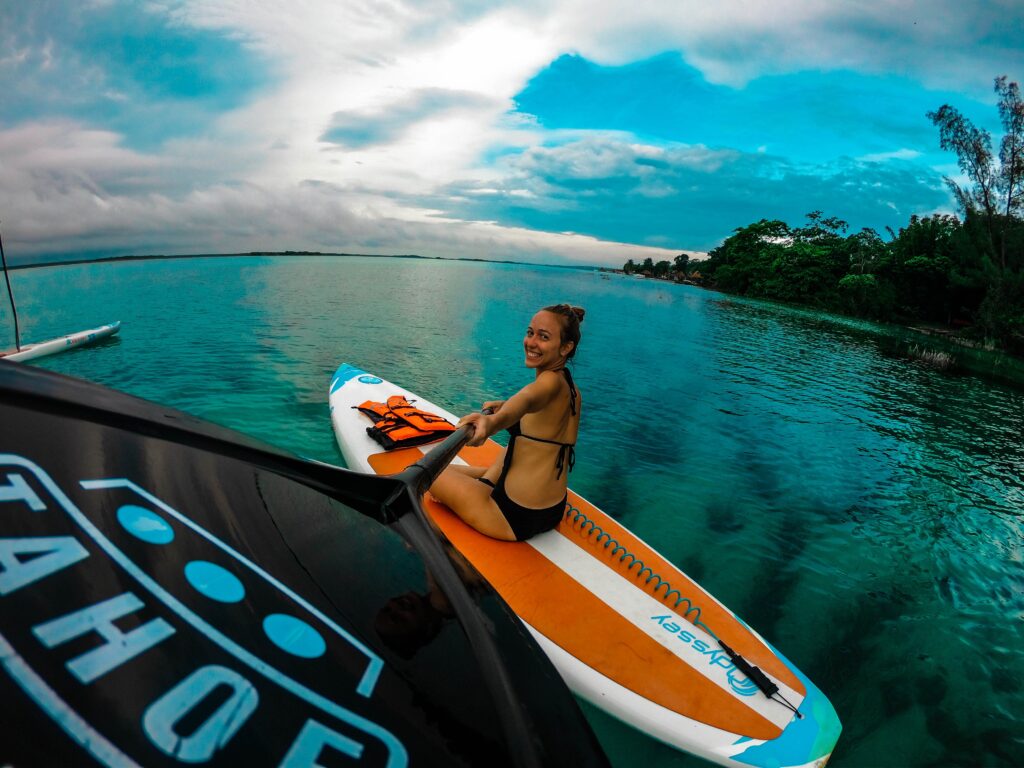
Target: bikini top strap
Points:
(520, 433)
(572, 390)
(566, 451)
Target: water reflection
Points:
(410, 621)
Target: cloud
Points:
(942, 43)
(688, 197)
(896, 154)
(384, 125)
(120, 65)
(112, 202)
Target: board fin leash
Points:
(759, 678)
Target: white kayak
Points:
(627, 630)
(62, 344)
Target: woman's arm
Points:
(530, 399)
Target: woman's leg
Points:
(491, 473)
(467, 470)
(471, 500)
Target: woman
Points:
(523, 492)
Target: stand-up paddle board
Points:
(627, 630)
(62, 344)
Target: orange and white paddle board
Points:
(628, 631)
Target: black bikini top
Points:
(567, 453)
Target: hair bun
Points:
(579, 312)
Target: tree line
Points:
(677, 269)
(965, 271)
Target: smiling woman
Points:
(523, 492)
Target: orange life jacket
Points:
(399, 424)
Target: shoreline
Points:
(286, 254)
(942, 348)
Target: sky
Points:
(559, 131)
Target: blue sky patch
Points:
(805, 116)
(652, 153)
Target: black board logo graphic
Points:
(150, 641)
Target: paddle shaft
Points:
(417, 479)
(424, 472)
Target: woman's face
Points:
(543, 342)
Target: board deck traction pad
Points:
(628, 631)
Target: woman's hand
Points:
(480, 424)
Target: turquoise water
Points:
(861, 511)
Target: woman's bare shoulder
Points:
(552, 382)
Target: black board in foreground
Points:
(175, 593)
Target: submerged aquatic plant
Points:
(934, 358)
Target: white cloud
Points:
(942, 43)
(896, 154)
(70, 171)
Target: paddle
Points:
(423, 534)
(424, 472)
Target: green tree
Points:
(865, 295)
(629, 267)
(992, 203)
(865, 250)
(681, 264)
(827, 231)
(997, 188)
(661, 269)
(648, 266)
(743, 261)
(804, 272)
(936, 269)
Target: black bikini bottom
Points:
(525, 521)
